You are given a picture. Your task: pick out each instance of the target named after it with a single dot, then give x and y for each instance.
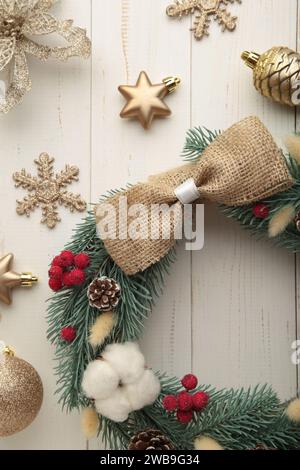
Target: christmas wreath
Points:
(106, 284)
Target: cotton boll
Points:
(116, 407)
(144, 392)
(127, 360)
(99, 380)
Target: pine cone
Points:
(150, 439)
(104, 294)
(261, 447)
(297, 221)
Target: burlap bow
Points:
(242, 166)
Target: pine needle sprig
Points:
(197, 140)
(236, 419)
(290, 238)
(70, 307)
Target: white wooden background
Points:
(229, 312)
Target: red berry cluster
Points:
(67, 270)
(185, 403)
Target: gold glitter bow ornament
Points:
(243, 165)
(19, 21)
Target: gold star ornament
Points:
(10, 279)
(145, 101)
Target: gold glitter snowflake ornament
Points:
(20, 20)
(205, 9)
(48, 190)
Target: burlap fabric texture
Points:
(242, 166)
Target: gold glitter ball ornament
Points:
(20, 22)
(276, 74)
(21, 394)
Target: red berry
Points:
(67, 280)
(189, 382)
(57, 261)
(55, 284)
(82, 261)
(56, 272)
(185, 401)
(184, 417)
(76, 277)
(170, 403)
(261, 211)
(67, 258)
(200, 401)
(68, 334)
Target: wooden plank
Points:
(243, 290)
(137, 36)
(54, 118)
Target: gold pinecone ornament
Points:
(276, 74)
(150, 439)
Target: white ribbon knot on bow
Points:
(187, 193)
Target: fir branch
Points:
(197, 140)
(239, 417)
(71, 307)
(290, 238)
(282, 434)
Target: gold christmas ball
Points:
(276, 74)
(21, 395)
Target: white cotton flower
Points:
(127, 360)
(116, 407)
(144, 392)
(119, 382)
(100, 380)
